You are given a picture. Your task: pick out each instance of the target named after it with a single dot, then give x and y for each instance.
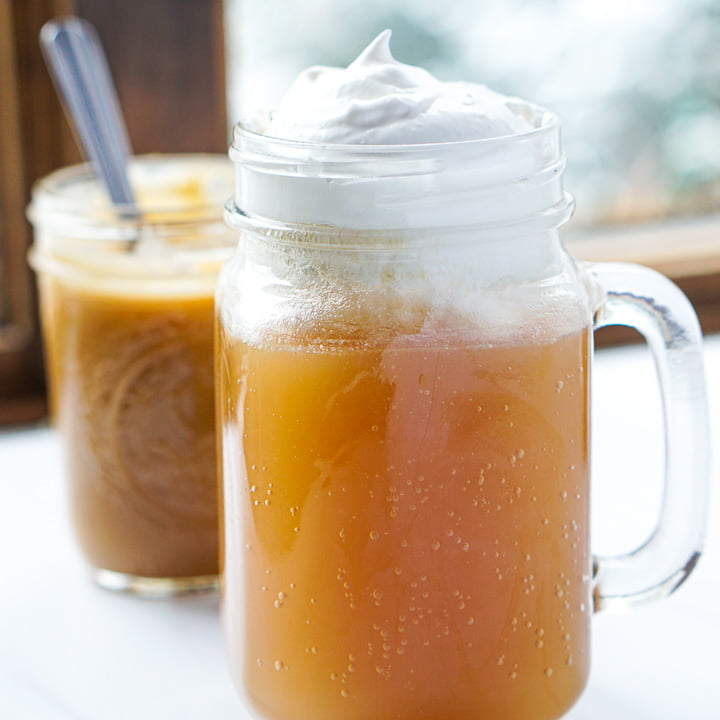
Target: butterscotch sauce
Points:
(129, 340)
(132, 383)
(412, 519)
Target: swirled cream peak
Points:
(377, 100)
(381, 145)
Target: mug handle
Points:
(647, 301)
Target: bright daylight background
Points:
(635, 82)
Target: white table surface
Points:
(70, 651)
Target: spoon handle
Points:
(79, 67)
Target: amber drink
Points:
(127, 310)
(415, 523)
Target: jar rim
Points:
(57, 202)
(336, 238)
(509, 180)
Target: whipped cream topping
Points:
(381, 145)
(377, 100)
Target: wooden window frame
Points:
(687, 250)
(167, 58)
(32, 142)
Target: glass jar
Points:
(403, 365)
(127, 313)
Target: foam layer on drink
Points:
(380, 192)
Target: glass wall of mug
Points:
(403, 365)
(127, 313)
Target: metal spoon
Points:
(77, 62)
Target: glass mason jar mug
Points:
(127, 307)
(403, 364)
